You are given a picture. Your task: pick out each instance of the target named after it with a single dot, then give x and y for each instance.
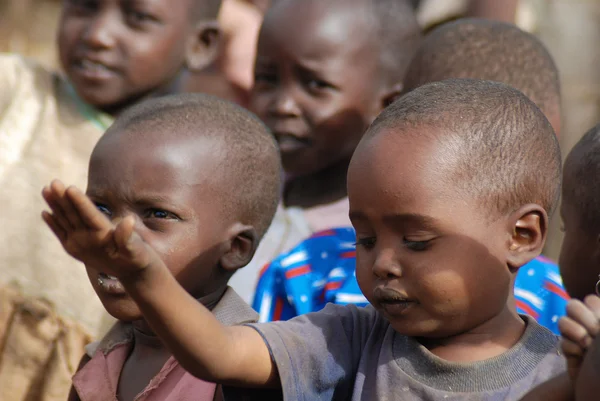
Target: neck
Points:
(143, 334)
(171, 87)
(490, 339)
(322, 187)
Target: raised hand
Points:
(88, 235)
(578, 330)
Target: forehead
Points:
(140, 158)
(317, 29)
(403, 168)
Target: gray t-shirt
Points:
(350, 353)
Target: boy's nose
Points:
(101, 32)
(284, 105)
(386, 265)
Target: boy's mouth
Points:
(110, 284)
(93, 70)
(391, 301)
(289, 143)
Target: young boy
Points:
(580, 254)
(446, 208)
(580, 266)
(324, 70)
(491, 50)
(199, 180)
(114, 53)
(580, 212)
(497, 51)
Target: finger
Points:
(583, 315)
(54, 226)
(571, 348)
(593, 303)
(67, 206)
(132, 245)
(57, 211)
(90, 216)
(123, 235)
(575, 332)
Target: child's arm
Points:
(204, 347)
(587, 387)
(578, 329)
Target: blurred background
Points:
(570, 29)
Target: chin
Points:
(121, 308)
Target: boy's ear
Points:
(391, 94)
(203, 47)
(529, 228)
(243, 241)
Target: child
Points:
(580, 211)
(198, 179)
(580, 265)
(497, 51)
(324, 70)
(491, 50)
(580, 254)
(114, 53)
(446, 208)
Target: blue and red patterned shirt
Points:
(321, 269)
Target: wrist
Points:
(145, 278)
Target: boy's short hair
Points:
(490, 50)
(394, 28)
(582, 183)
(251, 167)
(504, 148)
(398, 33)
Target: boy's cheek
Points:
(577, 267)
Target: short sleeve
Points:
(317, 354)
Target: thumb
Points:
(131, 245)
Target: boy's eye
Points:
(366, 243)
(317, 85)
(159, 214)
(104, 209)
(137, 16)
(416, 245)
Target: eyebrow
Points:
(421, 219)
(398, 218)
(139, 200)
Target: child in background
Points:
(580, 254)
(490, 50)
(198, 179)
(114, 53)
(497, 51)
(446, 210)
(580, 269)
(580, 212)
(324, 70)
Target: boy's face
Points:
(427, 256)
(315, 82)
(580, 253)
(169, 187)
(118, 51)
